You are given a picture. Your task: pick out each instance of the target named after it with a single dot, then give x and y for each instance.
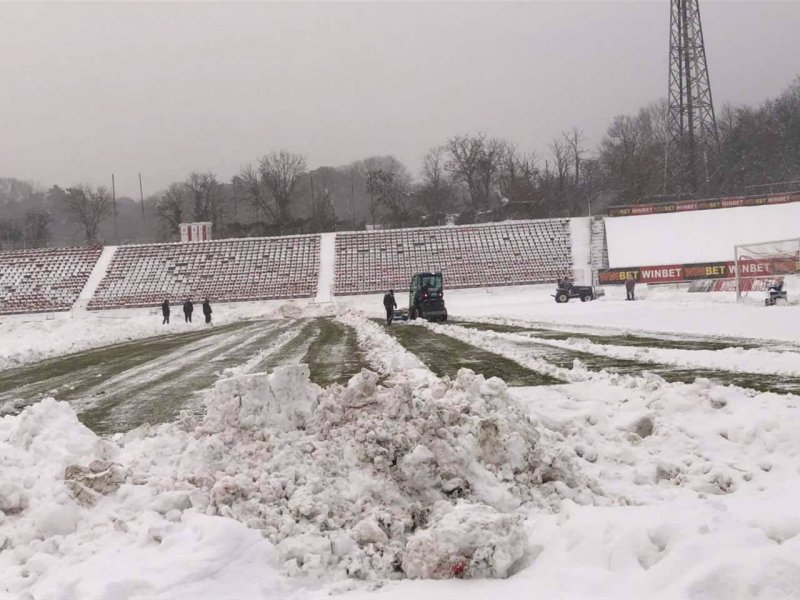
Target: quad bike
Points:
(566, 291)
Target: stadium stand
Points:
(222, 270)
(44, 280)
(509, 253)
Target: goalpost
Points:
(756, 266)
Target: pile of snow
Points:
(420, 481)
(385, 354)
(428, 480)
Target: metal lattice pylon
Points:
(690, 113)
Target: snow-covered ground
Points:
(660, 310)
(404, 484)
(696, 236)
(30, 338)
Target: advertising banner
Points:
(690, 205)
(729, 285)
(696, 271)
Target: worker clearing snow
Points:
(389, 303)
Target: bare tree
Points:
(280, 173)
(323, 216)
(36, 229)
(494, 154)
(518, 175)
(474, 162)
(632, 154)
(465, 153)
(390, 191)
(10, 234)
(250, 185)
(205, 196)
(171, 206)
(436, 191)
(88, 206)
(574, 139)
(562, 160)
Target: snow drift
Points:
(418, 480)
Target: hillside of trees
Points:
(468, 178)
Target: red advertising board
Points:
(729, 285)
(690, 205)
(698, 271)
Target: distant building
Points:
(195, 232)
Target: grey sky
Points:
(91, 89)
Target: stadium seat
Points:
(222, 270)
(44, 280)
(473, 255)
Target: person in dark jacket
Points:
(389, 303)
(165, 312)
(630, 284)
(188, 308)
(207, 311)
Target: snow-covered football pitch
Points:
(600, 450)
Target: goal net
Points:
(758, 266)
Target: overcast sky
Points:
(87, 90)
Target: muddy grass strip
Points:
(328, 347)
(161, 399)
(627, 339)
(566, 359)
(106, 361)
(334, 356)
(445, 355)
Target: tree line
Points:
(468, 178)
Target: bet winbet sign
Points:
(695, 271)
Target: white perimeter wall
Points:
(580, 239)
(700, 236)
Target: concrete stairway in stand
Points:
(598, 246)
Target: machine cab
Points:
(426, 297)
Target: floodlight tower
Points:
(690, 113)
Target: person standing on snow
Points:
(188, 308)
(165, 312)
(389, 304)
(207, 311)
(630, 284)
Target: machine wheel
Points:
(444, 316)
(585, 298)
(412, 313)
(562, 298)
